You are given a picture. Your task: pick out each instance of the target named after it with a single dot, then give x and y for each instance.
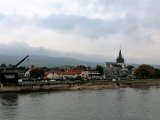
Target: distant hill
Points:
(44, 61)
(47, 61)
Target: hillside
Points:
(44, 61)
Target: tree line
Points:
(145, 71)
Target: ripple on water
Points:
(117, 104)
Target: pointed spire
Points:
(120, 54)
(120, 58)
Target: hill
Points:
(44, 61)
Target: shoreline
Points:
(91, 85)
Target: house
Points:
(112, 70)
(27, 74)
(49, 75)
(92, 74)
(70, 73)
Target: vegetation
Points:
(130, 67)
(100, 69)
(3, 65)
(37, 73)
(145, 71)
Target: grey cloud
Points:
(152, 18)
(94, 28)
(23, 49)
(145, 11)
(16, 21)
(123, 5)
(130, 25)
(90, 27)
(140, 14)
(2, 16)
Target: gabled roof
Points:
(113, 64)
(70, 72)
(46, 73)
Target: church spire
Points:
(120, 59)
(120, 54)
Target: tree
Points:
(130, 67)
(100, 69)
(157, 73)
(36, 73)
(21, 68)
(3, 65)
(81, 67)
(147, 71)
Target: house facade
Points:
(75, 73)
(69, 74)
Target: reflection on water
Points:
(118, 104)
(8, 106)
(9, 99)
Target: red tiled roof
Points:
(70, 72)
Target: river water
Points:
(109, 104)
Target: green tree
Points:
(100, 69)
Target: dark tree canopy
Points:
(3, 65)
(100, 69)
(36, 73)
(130, 67)
(147, 71)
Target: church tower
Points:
(120, 59)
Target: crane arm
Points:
(21, 61)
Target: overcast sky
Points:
(91, 30)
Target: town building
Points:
(70, 73)
(73, 74)
(116, 70)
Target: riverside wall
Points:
(56, 87)
(32, 88)
(79, 86)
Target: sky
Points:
(92, 30)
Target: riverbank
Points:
(118, 84)
(81, 86)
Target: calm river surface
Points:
(116, 104)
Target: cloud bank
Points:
(82, 29)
